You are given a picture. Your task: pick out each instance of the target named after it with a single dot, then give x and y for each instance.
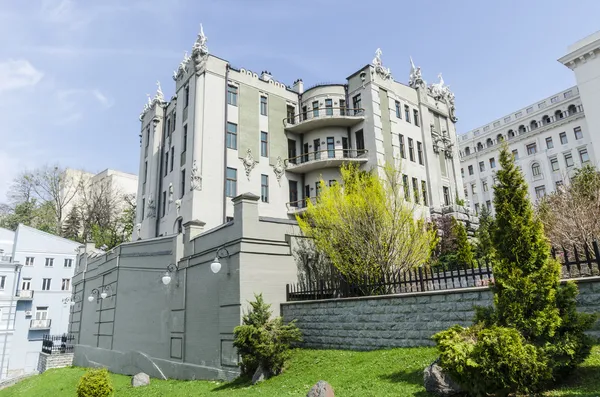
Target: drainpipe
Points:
(224, 146)
(12, 299)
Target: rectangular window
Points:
(263, 105)
(474, 188)
(2, 282)
(330, 147)
(317, 189)
(563, 138)
(168, 126)
(232, 94)
(306, 192)
(264, 188)
(492, 163)
(143, 207)
(531, 149)
(41, 312)
(540, 191)
(496, 124)
(518, 114)
(406, 187)
(186, 99)
(446, 195)
(356, 104)
(26, 284)
(470, 170)
(402, 149)
(515, 154)
(292, 151)
(481, 166)
(49, 262)
(486, 128)
(578, 133)
(541, 105)
(411, 149)
(184, 143)
(529, 110)
(549, 143)
(231, 182)
(416, 117)
(66, 284)
(407, 113)
(166, 162)
(507, 119)
(569, 160)
(342, 107)
(554, 164)
(484, 186)
(583, 155)
(315, 106)
(476, 208)
(164, 203)
(488, 205)
(554, 99)
(317, 148)
(264, 144)
(145, 171)
(415, 187)
(29, 261)
(68, 262)
(182, 184)
(462, 172)
(231, 135)
(291, 114)
(304, 112)
(420, 152)
(46, 284)
(329, 107)
(293, 190)
(536, 170)
(398, 111)
(424, 192)
(172, 158)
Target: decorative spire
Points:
(200, 44)
(385, 73)
(159, 94)
(415, 80)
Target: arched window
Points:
(546, 119)
(500, 138)
(467, 151)
(489, 142)
(511, 134)
(572, 110)
(558, 115)
(479, 146)
(522, 129)
(533, 125)
(535, 169)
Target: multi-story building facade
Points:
(550, 138)
(35, 296)
(227, 131)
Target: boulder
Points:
(321, 389)
(140, 379)
(436, 381)
(260, 374)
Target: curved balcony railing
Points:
(345, 116)
(326, 154)
(299, 205)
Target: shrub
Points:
(95, 383)
(490, 360)
(262, 341)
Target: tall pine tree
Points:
(484, 248)
(72, 225)
(464, 251)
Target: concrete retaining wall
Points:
(48, 361)
(402, 320)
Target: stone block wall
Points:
(48, 361)
(401, 320)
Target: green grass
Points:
(383, 373)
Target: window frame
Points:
(264, 144)
(549, 143)
(264, 188)
(231, 138)
(531, 148)
(232, 94)
(264, 105)
(563, 136)
(231, 182)
(49, 262)
(49, 284)
(578, 133)
(68, 261)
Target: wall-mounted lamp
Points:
(172, 268)
(71, 300)
(102, 291)
(215, 266)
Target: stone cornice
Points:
(581, 55)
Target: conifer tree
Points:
(72, 225)
(484, 248)
(464, 251)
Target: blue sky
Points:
(74, 74)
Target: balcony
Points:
(25, 295)
(328, 158)
(297, 207)
(40, 324)
(324, 117)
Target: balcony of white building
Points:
(327, 158)
(299, 206)
(323, 117)
(36, 324)
(25, 295)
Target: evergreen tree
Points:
(484, 248)
(464, 251)
(72, 225)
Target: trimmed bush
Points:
(95, 383)
(262, 341)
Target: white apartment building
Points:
(550, 138)
(229, 130)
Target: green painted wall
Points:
(277, 139)
(248, 127)
(386, 126)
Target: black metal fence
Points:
(57, 344)
(574, 265)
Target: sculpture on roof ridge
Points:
(182, 68)
(441, 92)
(200, 51)
(415, 80)
(385, 73)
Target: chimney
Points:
(266, 76)
(298, 86)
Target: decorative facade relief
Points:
(183, 67)
(385, 73)
(441, 92)
(151, 207)
(200, 51)
(249, 162)
(195, 177)
(279, 169)
(442, 143)
(170, 192)
(138, 229)
(178, 206)
(415, 80)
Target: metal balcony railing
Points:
(25, 294)
(40, 324)
(300, 204)
(327, 154)
(320, 113)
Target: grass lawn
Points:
(382, 373)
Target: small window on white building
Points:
(473, 188)
(515, 154)
(41, 313)
(531, 149)
(540, 191)
(484, 185)
(554, 164)
(563, 138)
(507, 119)
(26, 284)
(66, 284)
(46, 284)
(496, 124)
(569, 160)
(481, 166)
(549, 143)
(49, 262)
(68, 262)
(263, 105)
(529, 110)
(492, 163)
(554, 99)
(584, 156)
(578, 133)
(2, 282)
(535, 169)
(29, 261)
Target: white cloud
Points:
(17, 74)
(106, 102)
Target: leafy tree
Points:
(264, 342)
(365, 226)
(484, 248)
(312, 264)
(464, 251)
